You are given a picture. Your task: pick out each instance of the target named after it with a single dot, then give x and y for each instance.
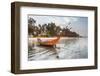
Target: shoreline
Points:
(54, 37)
(46, 38)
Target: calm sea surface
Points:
(69, 48)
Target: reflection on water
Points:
(70, 48)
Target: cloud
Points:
(74, 19)
(70, 19)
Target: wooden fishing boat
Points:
(49, 42)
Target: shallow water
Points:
(69, 48)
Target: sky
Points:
(78, 24)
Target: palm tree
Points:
(31, 21)
(31, 25)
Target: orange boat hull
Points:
(49, 42)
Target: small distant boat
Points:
(49, 42)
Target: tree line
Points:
(49, 29)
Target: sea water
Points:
(66, 48)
